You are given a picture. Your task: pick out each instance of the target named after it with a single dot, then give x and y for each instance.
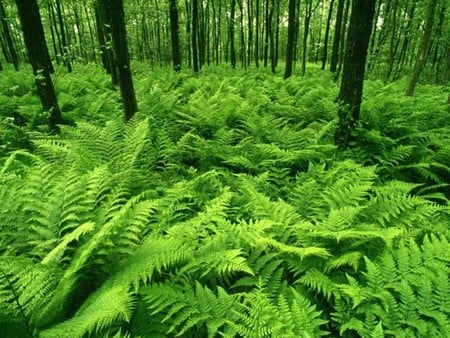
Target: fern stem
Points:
(19, 306)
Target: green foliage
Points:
(223, 209)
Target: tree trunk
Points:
(257, 34)
(327, 35)
(194, 35)
(350, 94)
(38, 55)
(176, 55)
(343, 40)
(65, 47)
(308, 12)
(291, 38)
(423, 48)
(8, 38)
(337, 36)
(231, 33)
(266, 34)
(104, 36)
(250, 31)
(122, 57)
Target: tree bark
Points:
(327, 35)
(65, 47)
(176, 55)
(423, 48)
(194, 35)
(122, 57)
(231, 33)
(8, 38)
(337, 36)
(33, 33)
(350, 94)
(291, 38)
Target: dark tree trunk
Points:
(242, 34)
(291, 38)
(122, 57)
(268, 27)
(337, 36)
(104, 36)
(176, 55)
(52, 32)
(250, 31)
(327, 35)
(257, 34)
(350, 94)
(272, 33)
(8, 38)
(308, 13)
(91, 34)
(392, 43)
(39, 58)
(194, 35)
(423, 48)
(231, 33)
(343, 40)
(65, 46)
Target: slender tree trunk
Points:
(65, 47)
(194, 35)
(276, 36)
(350, 94)
(33, 33)
(104, 35)
(257, 34)
(8, 38)
(292, 20)
(392, 43)
(327, 34)
(272, 38)
(250, 31)
(231, 33)
(308, 12)
(176, 55)
(122, 57)
(337, 36)
(343, 40)
(91, 32)
(405, 42)
(423, 48)
(242, 34)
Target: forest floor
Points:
(223, 207)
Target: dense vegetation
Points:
(288, 176)
(223, 208)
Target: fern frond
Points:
(109, 306)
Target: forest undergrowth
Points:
(223, 209)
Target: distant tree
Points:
(337, 36)
(290, 38)
(257, 11)
(103, 19)
(64, 42)
(422, 53)
(121, 56)
(176, 54)
(231, 33)
(33, 34)
(7, 35)
(307, 20)
(194, 37)
(327, 35)
(351, 88)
